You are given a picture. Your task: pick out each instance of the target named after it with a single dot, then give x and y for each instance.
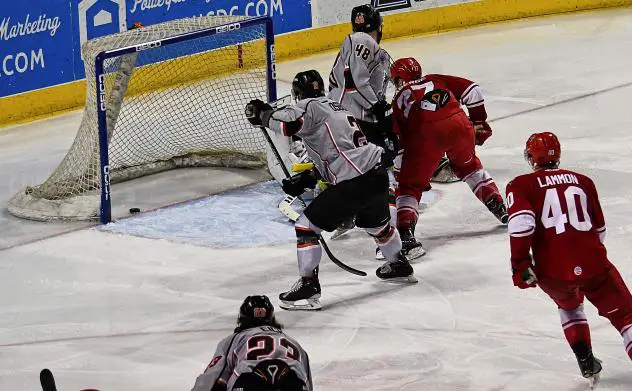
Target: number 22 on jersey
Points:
(576, 206)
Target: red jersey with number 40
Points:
(557, 214)
(409, 106)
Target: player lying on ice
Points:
(358, 183)
(258, 356)
(556, 214)
(428, 117)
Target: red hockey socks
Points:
(482, 185)
(575, 326)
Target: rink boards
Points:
(329, 25)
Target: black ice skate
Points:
(589, 365)
(411, 248)
(304, 295)
(343, 229)
(399, 271)
(497, 207)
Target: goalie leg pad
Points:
(308, 249)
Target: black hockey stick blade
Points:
(331, 256)
(337, 261)
(47, 380)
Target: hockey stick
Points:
(320, 238)
(47, 380)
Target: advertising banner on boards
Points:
(40, 40)
(326, 13)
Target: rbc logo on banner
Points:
(101, 17)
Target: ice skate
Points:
(378, 254)
(304, 296)
(411, 248)
(399, 271)
(498, 209)
(589, 365)
(343, 229)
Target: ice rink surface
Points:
(120, 312)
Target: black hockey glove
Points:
(381, 109)
(296, 184)
(253, 111)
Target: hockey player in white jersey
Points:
(358, 81)
(258, 356)
(358, 183)
(360, 75)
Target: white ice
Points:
(120, 312)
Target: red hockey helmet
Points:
(543, 150)
(407, 69)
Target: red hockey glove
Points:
(482, 132)
(523, 275)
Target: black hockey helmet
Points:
(308, 84)
(365, 18)
(256, 309)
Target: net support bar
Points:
(105, 209)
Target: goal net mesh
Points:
(168, 106)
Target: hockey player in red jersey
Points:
(428, 117)
(556, 214)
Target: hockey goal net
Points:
(160, 97)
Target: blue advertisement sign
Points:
(40, 40)
(35, 46)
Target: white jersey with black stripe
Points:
(333, 140)
(359, 76)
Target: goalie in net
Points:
(172, 94)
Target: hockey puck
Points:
(134, 210)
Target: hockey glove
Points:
(482, 132)
(523, 275)
(381, 109)
(254, 109)
(296, 184)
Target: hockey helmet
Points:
(543, 150)
(308, 84)
(257, 309)
(365, 18)
(406, 69)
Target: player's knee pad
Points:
(305, 228)
(381, 234)
(573, 317)
(305, 237)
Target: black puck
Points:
(134, 210)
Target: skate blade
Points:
(415, 253)
(402, 280)
(593, 381)
(301, 305)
